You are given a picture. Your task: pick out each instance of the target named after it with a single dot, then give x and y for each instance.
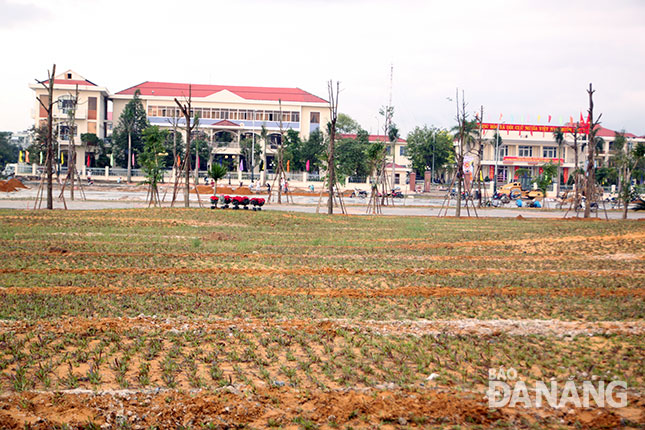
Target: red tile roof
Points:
(225, 123)
(167, 89)
(371, 138)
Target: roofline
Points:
(204, 99)
(93, 87)
(325, 102)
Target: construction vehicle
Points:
(521, 189)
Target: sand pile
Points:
(11, 185)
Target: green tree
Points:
(217, 172)
(99, 147)
(545, 179)
(8, 150)
(626, 159)
(427, 144)
(152, 158)
(129, 131)
(346, 124)
(299, 151)
(351, 156)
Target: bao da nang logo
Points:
(505, 389)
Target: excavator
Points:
(521, 189)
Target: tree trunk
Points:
(129, 175)
(50, 143)
(187, 170)
(590, 157)
(71, 161)
(332, 171)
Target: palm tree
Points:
(217, 172)
(558, 136)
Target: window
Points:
(259, 115)
(65, 132)
(502, 151)
(295, 116)
(403, 151)
(152, 110)
(286, 116)
(66, 103)
(525, 151)
(69, 76)
(232, 113)
(91, 108)
(549, 152)
(243, 114)
(314, 117)
(216, 114)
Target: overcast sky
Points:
(518, 58)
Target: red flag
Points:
(500, 116)
(307, 166)
(88, 160)
(531, 132)
(549, 118)
(288, 166)
(132, 159)
(581, 118)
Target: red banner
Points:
(535, 159)
(582, 128)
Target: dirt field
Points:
(173, 318)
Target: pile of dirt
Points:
(203, 189)
(11, 185)
(239, 191)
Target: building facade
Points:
(529, 147)
(228, 114)
(91, 114)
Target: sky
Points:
(520, 59)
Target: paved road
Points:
(110, 198)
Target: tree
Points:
(251, 150)
(545, 179)
(346, 124)
(427, 147)
(591, 167)
(191, 124)
(558, 136)
(331, 158)
(152, 158)
(351, 156)
(465, 138)
(127, 137)
(626, 159)
(298, 152)
(217, 172)
(8, 151)
(50, 134)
